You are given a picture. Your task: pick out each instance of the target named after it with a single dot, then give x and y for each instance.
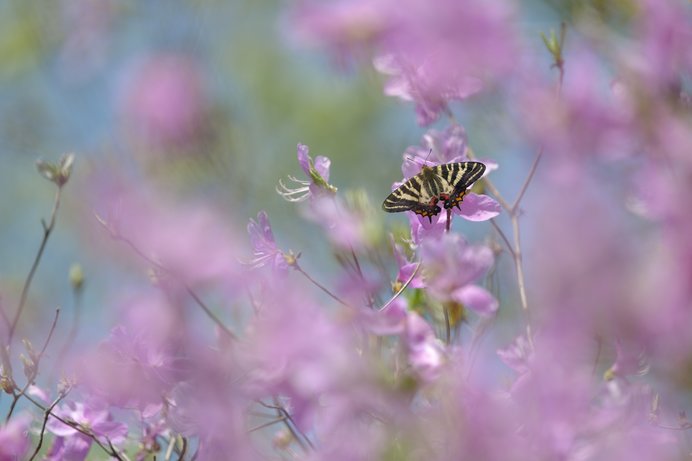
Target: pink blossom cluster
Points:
(553, 326)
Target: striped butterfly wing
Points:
(413, 195)
(461, 176)
(447, 182)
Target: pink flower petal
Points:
(476, 298)
(476, 207)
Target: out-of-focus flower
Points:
(517, 355)
(14, 438)
(92, 416)
(348, 225)
(436, 147)
(415, 83)
(425, 351)
(407, 269)
(317, 183)
(586, 120)
(658, 56)
(451, 266)
(294, 349)
(434, 54)
(140, 361)
(164, 102)
(190, 242)
(265, 250)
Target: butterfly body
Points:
(422, 193)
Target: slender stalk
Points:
(503, 236)
(515, 207)
(368, 296)
(30, 379)
(170, 272)
(47, 230)
(267, 424)
(301, 438)
(46, 414)
(448, 224)
(401, 290)
(183, 450)
(448, 333)
(74, 328)
(209, 313)
(319, 285)
(76, 427)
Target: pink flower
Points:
(265, 250)
(14, 438)
(141, 360)
(165, 102)
(72, 444)
(451, 266)
(407, 269)
(189, 242)
(425, 351)
(317, 183)
(348, 226)
(435, 54)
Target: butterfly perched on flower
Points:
(421, 193)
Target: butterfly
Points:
(421, 193)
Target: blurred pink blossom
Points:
(14, 438)
(451, 267)
(425, 351)
(434, 54)
(191, 242)
(164, 102)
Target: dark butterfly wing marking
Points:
(462, 176)
(447, 182)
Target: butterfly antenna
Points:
(426, 158)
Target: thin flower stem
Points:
(401, 290)
(503, 236)
(448, 224)
(168, 271)
(515, 207)
(319, 285)
(46, 415)
(169, 450)
(301, 438)
(368, 295)
(183, 450)
(498, 196)
(30, 379)
(47, 229)
(208, 311)
(78, 428)
(74, 328)
(448, 333)
(267, 424)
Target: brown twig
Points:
(319, 285)
(47, 229)
(46, 415)
(170, 272)
(34, 372)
